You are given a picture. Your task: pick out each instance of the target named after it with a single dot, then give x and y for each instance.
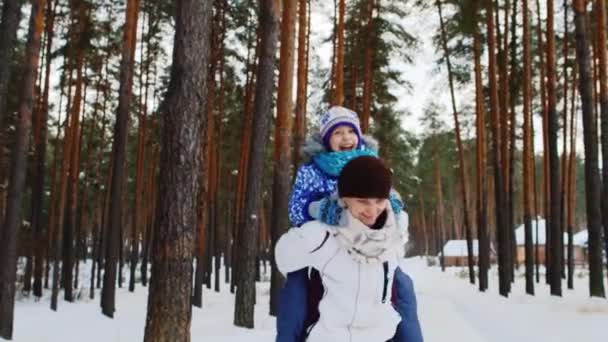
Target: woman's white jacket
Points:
(356, 304)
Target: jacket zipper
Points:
(384, 290)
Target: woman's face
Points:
(365, 210)
(343, 138)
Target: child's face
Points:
(343, 138)
(366, 210)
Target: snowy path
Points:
(449, 308)
(447, 303)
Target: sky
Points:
(429, 82)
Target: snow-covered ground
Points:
(450, 310)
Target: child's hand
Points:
(328, 210)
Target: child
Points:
(338, 141)
(357, 260)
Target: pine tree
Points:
(462, 167)
(555, 242)
(12, 219)
(527, 153)
(600, 13)
(245, 295)
(592, 177)
(169, 300)
(282, 141)
(501, 229)
(11, 15)
(118, 151)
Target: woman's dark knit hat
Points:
(364, 177)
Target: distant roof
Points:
(542, 238)
(459, 248)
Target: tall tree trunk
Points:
(244, 152)
(338, 93)
(571, 181)
(556, 242)
(543, 189)
(69, 226)
(11, 15)
(245, 294)
(514, 88)
(536, 209)
(119, 153)
(482, 207)
(564, 159)
(96, 230)
(546, 187)
(302, 71)
(138, 206)
(461, 163)
(501, 229)
(12, 220)
(57, 223)
(282, 141)
(368, 68)
(220, 233)
(600, 12)
(169, 300)
(54, 190)
(504, 128)
(72, 195)
(440, 211)
(150, 212)
(527, 153)
(40, 130)
(592, 176)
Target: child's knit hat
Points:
(336, 116)
(365, 177)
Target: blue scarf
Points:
(332, 163)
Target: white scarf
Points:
(366, 245)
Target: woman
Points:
(356, 260)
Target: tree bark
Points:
(169, 300)
(119, 152)
(563, 198)
(527, 153)
(482, 207)
(556, 242)
(600, 12)
(461, 163)
(244, 153)
(368, 70)
(338, 94)
(501, 229)
(571, 181)
(302, 71)
(245, 294)
(282, 141)
(592, 176)
(69, 226)
(40, 130)
(11, 15)
(12, 219)
(546, 187)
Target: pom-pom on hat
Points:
(337, 116)
(365, 177)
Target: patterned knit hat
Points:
(365, 177)
(336, 116)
